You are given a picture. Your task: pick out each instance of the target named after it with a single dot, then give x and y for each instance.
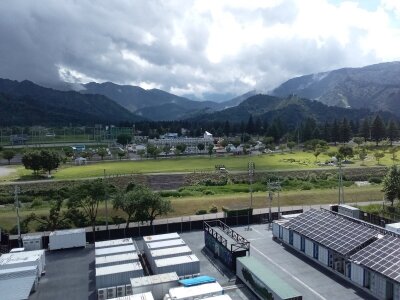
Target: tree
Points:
(291, 145)
(121, 154)
(102, 152)
(392, 132)
(181, 148)
(250, 125)
(166, 149)
(87, 197)
(378, 156)
(362, 155)
(32, 161)
(312, 145)
(124, 139)
(391, 184)
(129, 202)
(377, 130)
(335, 129)
(153, 151)
(346, 152)
(316, 153)
(8, 155)
(345, 131)
(210, 149)
(201, 146)
(49, 160)
(359, 141)
(393, 151)
(68, 152)
(365, 130)
(55, 220)
(153, 205)
(141, 153)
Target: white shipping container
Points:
(6, 274)
(117, 275)
(182, 265)
(17, 250)
(145, 296)
(23, 259)
(115, 250)
(296, 241)
(32, 242)
(117, 259)
(220, 297)
(323, 255)
(159, 284)
(285, 235)
(357, 274)
(113, 243)
(167, 253)
(378, 285)
(196, 292)
(161, 237)
(275, 229)
(162, 245)
(349, 211)
(394, 227)
(309, 247)
(65, 239)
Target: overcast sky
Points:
(193, 47)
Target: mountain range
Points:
(376, 87)
(351, 92)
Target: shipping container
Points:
(349, 211)
(182, 265)
(264, 283)
(378, 285)
(6, 274)
(161, 237)
(65, 239)
(23, 259)
(195, 292)
(113, 243)
(275, 229)
(115, 250)
(357, 274)
(323, 255)
(285, 235)
(309, 247)
(145, 296)
(167, 253)
(14, 250)
(296, 241)
(32, 242)
(220, 297)
(394, 227)
(117, 275)
(159, 284)
(162, 245)
(117, 259)
(18, 288)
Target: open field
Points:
(186, 206)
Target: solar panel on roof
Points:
(382, 256)
(331, 230)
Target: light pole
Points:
(16, 191)
(106, 196)
(272, 187)
(251, 167)
(340, 177)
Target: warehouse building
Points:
(362, 253)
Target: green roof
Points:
(273, 282)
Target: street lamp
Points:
(250, 167)
(274, 186)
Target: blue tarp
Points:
(197, 280)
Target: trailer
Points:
(159, 284)
(65, 239)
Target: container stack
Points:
(69, 238)
(167, 253)
(20, 273)
(159, 285)
(116, 263)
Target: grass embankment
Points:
(186, 206)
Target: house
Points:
(19, 139)
(80, 161)
(78, 148)
(207, 136)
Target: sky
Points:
(208, 49)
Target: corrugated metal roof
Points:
(101, 260)
(175, 260)
(115, 250)
(154, 279)
(17, 288)
(166, 244)
(13, 273)
(277, 285)
(161, 237)
(113, 243)
(166, 251)
(118, 269)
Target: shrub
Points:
(213, 209)
(306, 186)
(37, 202)
(208, 192)
(376, 180)
(201, 212)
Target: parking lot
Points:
(70, 273)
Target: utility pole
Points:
(251, 167)
(104, 182)
(274, 187)
(16, 192)
(340, 177)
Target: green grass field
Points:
(186, 206)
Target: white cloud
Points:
(193, 47)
